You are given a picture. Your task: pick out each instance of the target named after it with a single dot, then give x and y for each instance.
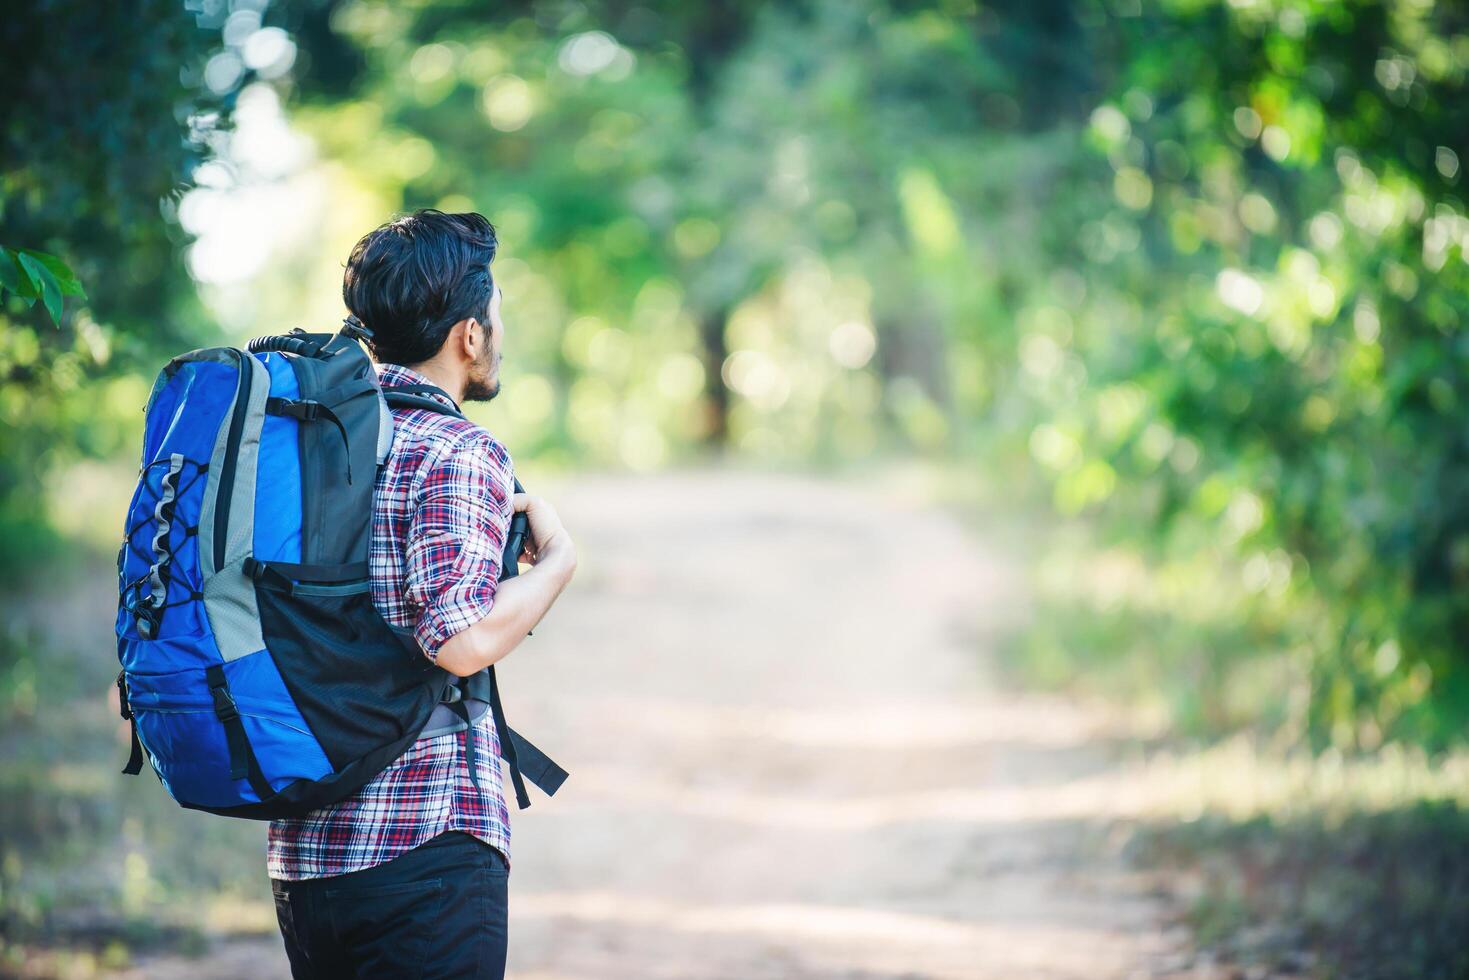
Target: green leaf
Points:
(50, 288)
(66, 279)
(9, 272)
(24, 286)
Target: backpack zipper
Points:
(195, 704)
(226, 490)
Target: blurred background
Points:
(1019, 450)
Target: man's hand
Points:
(548, 538)
(520, 602)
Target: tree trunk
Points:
(713, 352)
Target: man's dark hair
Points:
(410, 280)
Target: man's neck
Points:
(453, 385)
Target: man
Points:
(407, 877)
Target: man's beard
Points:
(478, 388)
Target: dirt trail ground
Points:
(790, 759)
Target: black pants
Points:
(438, 910)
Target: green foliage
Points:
(1271, 341)
(1197, 266)
(92, 157)
(1372, 895)
(32, 275)
(91, 859)
(1192, 270)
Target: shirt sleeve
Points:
(457, 537)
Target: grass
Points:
(1299, 864)
(1372, 895)
(1284, 861)
(96, 866)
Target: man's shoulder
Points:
(431, 436)
(460, 444)
(446, 432)
(462, 435)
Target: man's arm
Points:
(520, 602)
(467, 618)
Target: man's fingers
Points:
(521, 501)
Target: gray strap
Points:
(445, 720)
(471, 761)
(158, 571)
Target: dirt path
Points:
(789, 759)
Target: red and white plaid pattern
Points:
(441, 510)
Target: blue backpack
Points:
(259, 678)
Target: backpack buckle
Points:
(224, 703)
(145, 621)
(122, 696)
(302, 409)
(355, 328)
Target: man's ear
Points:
(466, 328)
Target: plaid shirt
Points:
(441, 510)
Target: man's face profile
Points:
(484, 374)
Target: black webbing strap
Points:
(310, 410)
(470, 759)
(535, 765)
(423, 389)
(507, 744)
(476, 685)
(243, 764)
(400, 397)
(524, 759)
(135, 756)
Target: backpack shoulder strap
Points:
(523, 759)
(416, 396)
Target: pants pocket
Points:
(386, 929)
